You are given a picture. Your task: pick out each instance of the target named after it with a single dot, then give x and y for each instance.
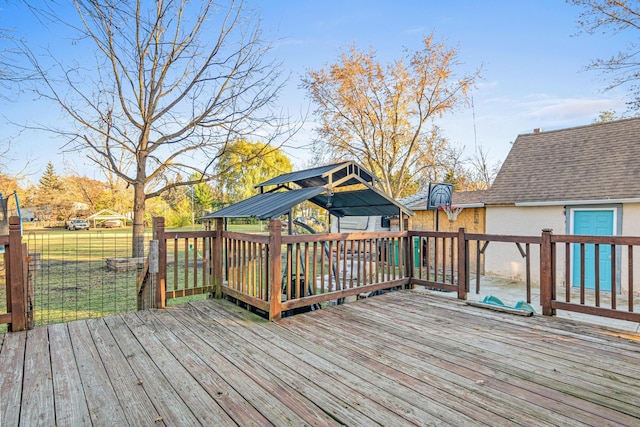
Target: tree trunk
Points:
(139, 199)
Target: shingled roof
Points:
(598, 162)
(465, 199)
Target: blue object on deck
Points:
(520, 305)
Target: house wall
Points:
(473, 219)
(351, 224)
(631, 219)
(630, 227)
(504, 259)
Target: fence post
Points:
(161, 275)
(16, 277)
(275, 269)
(217, 254)
(546, 273)
(463, 264)
(27, 276)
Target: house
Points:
(27, 214)
(471, 215)
(581, 180)
(471, 212)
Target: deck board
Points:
(37, 385)
(415, 369)
(202, 405)
(11, 372)
(201, 363)
(70, 401)
(517, 376)
(382, 392)
(261, 390)
(133, 401)
(452, 364)
(402, 358)
(172, 408)
(102, 400)
(332, 386)
(274, 375)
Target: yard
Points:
(71, 280)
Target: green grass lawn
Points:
(72, 281)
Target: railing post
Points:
(546, 273)
(16, 277)
(463, 263)
(409, 261)
(218, 254)
(275, 269)
(161, 275)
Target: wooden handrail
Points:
(249, 267)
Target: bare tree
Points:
(482, 172)
(169, 84)
(382, 115)
(623, 67)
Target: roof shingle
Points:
(594, 162)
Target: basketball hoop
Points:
(451, 211)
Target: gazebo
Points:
(105, 215)
(343, 189)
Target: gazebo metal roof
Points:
(266, 205)
(322, 187)
(333, 175)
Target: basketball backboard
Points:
(439, 195)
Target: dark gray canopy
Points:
(322, 187)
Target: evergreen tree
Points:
(50, 181)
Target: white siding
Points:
(504, 259)
(630, 227)
(349, 224)
(631, 219)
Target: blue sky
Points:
(533, 65)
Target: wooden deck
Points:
(403, 358)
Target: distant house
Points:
(27, 214)
(581, 180)
(107, 218)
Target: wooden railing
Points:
(308, 270)
(182, 266)
(321, 268)
(19, 315)
(245, 275)
(562, 255)
(480, 244)
(436, 259)
(280, 274)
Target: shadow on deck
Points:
(403, 358)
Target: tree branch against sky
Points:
(159, 89)
(622, 68)
(383, 115)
